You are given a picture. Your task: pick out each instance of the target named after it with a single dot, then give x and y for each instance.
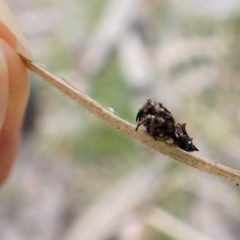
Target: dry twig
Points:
(174, 152)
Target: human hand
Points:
(14, 87)
(14, 91)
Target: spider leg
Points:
(139, 124)
(149, 119)
(144, 110)
(143, 121)
(139, 115)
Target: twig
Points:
(174, 152)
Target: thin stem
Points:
(174, 152)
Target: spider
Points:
(161, 125)
(157, 119)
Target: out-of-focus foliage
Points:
(185, 54)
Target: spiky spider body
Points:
(157, 119)
(160, 124)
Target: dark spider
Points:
(158, 120)
(160, 124)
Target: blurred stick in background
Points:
(114, 21)
(175, 228)
(102, 219)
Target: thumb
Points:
(14, 91)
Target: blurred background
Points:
(75, 177)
